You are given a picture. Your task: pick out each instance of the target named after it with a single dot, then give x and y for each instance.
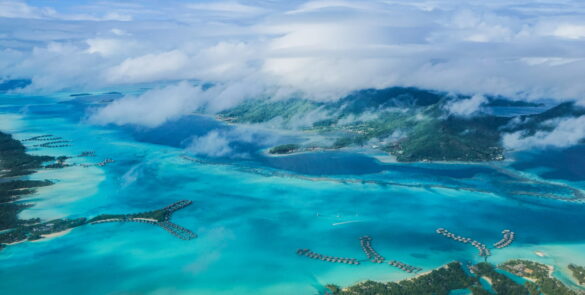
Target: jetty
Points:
(405, 267)
(54, 144)
(105, 162)
(46, 137)
(86, 154)
(99, 164)
(160, 217)
(482, 248)
(334, 259)
(506, 240)
(366, 243)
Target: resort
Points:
(405, 267)
(508, 238)
(54, 144)
(366, 243)
(160, 217)
(373, 256)
(482, 248)
(313, 255)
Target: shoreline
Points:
(55, 234)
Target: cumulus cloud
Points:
(149, 68)
(19, 9)
(213, 144)
(319, 49)
(567, 132)
(152, 108)
(466, 107)
(229, 143)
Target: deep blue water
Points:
(567, 163)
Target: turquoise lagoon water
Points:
(252, 213)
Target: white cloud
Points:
(213, 144)
(152, 108)
(567, 132)
(224, 143)
(150, 67)
(466, 107)
(19, 9)
(227, 7)
(316, 49)
(570, 31)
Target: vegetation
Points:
(452, 277)
(438, 282)
(578, 273)
(285, 149)
(500, 283)
(541, 275)
(15, 162)
(264, 111)
(427, 130)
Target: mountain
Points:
(410, 123)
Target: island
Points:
(16, 164)
(440, 281)
(453, 277)
(578, 273)
(413, 125)
(285, 149)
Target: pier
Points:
(100, 164)
(105, 162)
(405, 267)
(54, 144)
(482, 248)
(373, 256)
(366, 243)
(46, 137)
(508, 238)
(334, 259)
(86, 154)
(160, 217)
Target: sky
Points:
(319, 50)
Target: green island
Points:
(439, 281)
(285, 149)
(16, 164)
(578, 273)
(452, 277)
(412, 124)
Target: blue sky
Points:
(316, 49)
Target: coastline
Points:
(55, 234)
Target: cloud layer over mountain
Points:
(320, 49)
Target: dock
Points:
(366, 243)
(405, 267)
(46, 137)
(373, 256)
(160, 217)
(506, 240)
(333, 259)
(482, 248)
(105, 162)
(86, 154)
(54, 144)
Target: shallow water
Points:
(251, 214)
